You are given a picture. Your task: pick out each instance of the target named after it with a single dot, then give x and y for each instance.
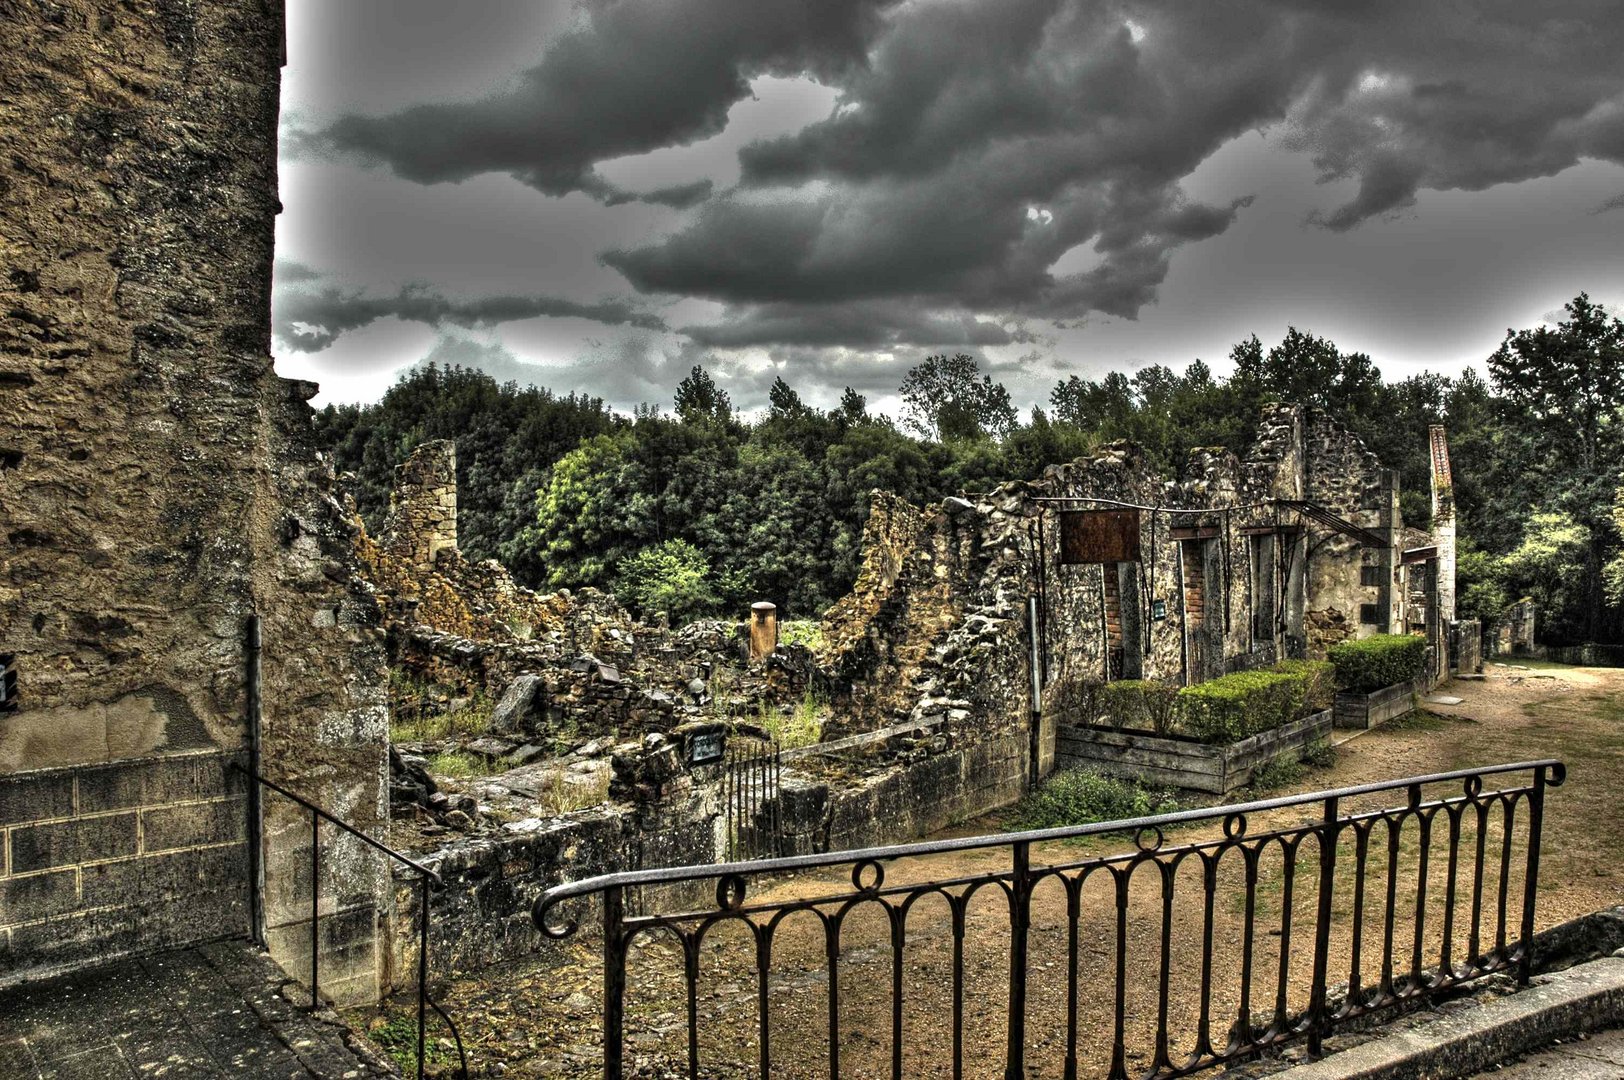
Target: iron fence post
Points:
(614, 982)
(1020, 897)
(422, 975)
(256, 820)
(1536, 819)
(1322, 928)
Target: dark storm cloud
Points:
(984, 140)
(871, 325)
(679, 196)
(309, 320)
(632, 77)
(978, 144)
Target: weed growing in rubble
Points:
(808, 632)
(802, 727)
(397, 1037)
(421, 712)
(564, 794)
(459, 765)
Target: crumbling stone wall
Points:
(157, 485)
(938, 623)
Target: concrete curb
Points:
(1588, 997)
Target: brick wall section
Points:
(98, 861)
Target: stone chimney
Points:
(1443, 524)
(422, 518)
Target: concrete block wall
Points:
(98, 861)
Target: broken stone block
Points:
(522, 708)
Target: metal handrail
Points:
(426, 878)
(1405, 971)
(763, 867)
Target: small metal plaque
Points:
(705, 746)
(1099, 536)
(1158, 610)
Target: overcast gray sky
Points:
(596, 196)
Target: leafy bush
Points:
(1319, 677)
(1084, 796)
(673, 576)
(1140, 703)
(1369, 664)
(808, 632)
(1230, 708)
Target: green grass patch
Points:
(1420, 720)
(1320, 754)
(417, 714)
(1086, 796)
(460, 765)
(397, 1037)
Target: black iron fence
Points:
(426, 879)
(1167, 958)
(750, 798)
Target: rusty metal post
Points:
(763, 629)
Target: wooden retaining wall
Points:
(1183, 763)
(1364, 711)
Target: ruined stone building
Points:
(1002, 607)
(158, 487)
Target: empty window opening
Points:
(1370, 574)
(1195, 584)
(1120, 614)
(1370, 614)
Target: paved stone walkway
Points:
(1599, 1057)
(216, 1010)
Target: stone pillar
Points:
(422, 518)
(763, 629)
(1443, 535)
(1443, 523)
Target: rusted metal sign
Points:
(1099, 536)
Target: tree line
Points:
(701, 510)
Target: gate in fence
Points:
(750, 791)
(1278, 921)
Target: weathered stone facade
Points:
(1232, 573)
(158, 486)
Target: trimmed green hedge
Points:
(1370, 664)
(1320, 677)
(1230, 708)
(1140, 703)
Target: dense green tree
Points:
(570, 494)
(1562, 396)
(947, 398)
(671, 577)
(698, 398)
